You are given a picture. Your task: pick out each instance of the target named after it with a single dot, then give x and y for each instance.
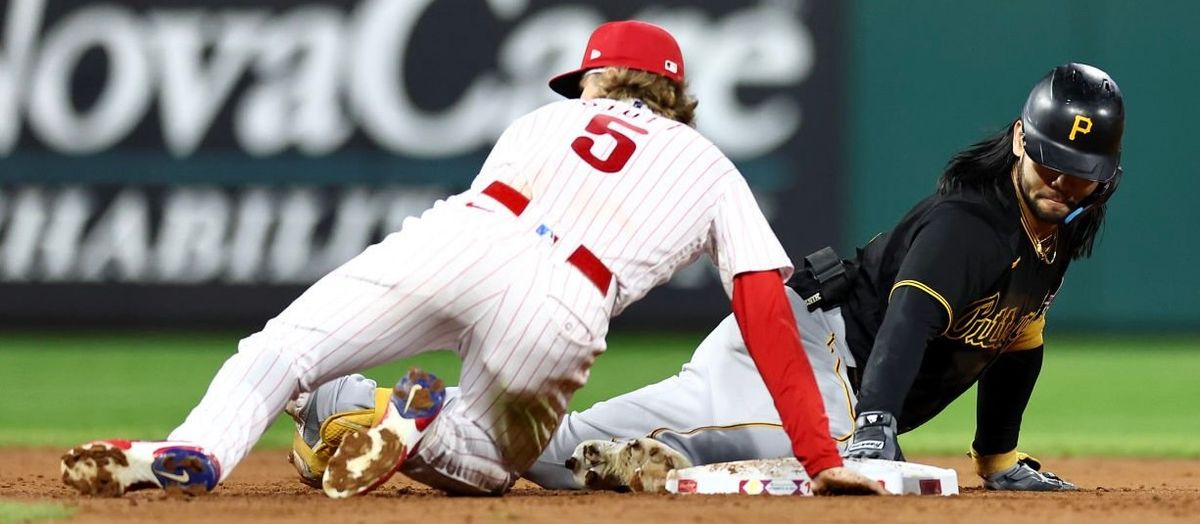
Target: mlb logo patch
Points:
(671, 66)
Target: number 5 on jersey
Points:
(603, 125)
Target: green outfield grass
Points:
(33, 512)
(1130, 396)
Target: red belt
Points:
(582, 258)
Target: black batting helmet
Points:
(1073, 121)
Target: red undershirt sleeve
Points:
(768, 327)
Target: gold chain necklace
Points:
(1046, 247)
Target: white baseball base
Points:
(787, 477)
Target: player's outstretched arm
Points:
(912, 319)
(1004, 392)
(768, 327)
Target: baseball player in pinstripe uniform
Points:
(581, 208)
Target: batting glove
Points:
(875, 437)
(1024, 475)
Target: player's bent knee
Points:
(257, 349)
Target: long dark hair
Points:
(987, 167)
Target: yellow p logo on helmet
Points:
(1078, 126)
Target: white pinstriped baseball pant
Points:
(526, 324)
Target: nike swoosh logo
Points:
(412, 394)
(182, 478)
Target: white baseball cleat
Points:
(110, 468)
(638, 464)
(366, 460)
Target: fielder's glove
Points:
(1024, 473)
(874, 437)
(357, 405)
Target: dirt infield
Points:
(263, 490)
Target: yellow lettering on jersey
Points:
(987, 326)
(1015, 262)
(1030, 337)
(1076, 127)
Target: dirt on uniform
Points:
(265, 489)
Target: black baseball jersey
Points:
(935, 301)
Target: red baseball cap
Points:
(630, 43)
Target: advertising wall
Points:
(201, 162)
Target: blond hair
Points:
(658, 92)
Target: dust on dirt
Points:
(265, 489)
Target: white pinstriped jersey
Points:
(646, 194)
(643, 193)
